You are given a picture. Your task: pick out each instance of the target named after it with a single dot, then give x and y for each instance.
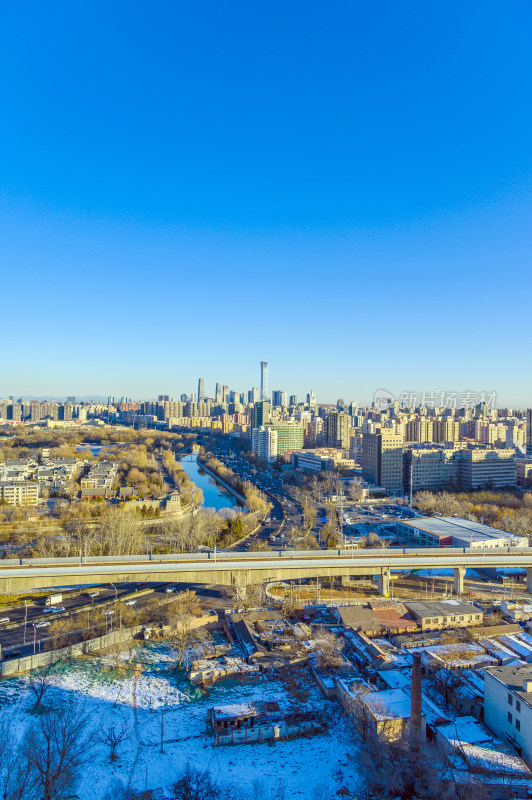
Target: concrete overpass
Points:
(240, 569)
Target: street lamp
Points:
(116, 591)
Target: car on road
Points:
(130, 602)
(169, 589)
(4, 620)
(12, 654)
(42, 624)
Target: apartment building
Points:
(477, 468)
(264, 443)
(337, 430)
(19, 492)
(382, 459)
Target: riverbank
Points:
(241, 499)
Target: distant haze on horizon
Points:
(342, 190)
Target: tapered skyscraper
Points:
(263, 380)
(201, 388)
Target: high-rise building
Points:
(225, 394)
(260, 414)
(253, 395)
(278, 398)
(382, 459)
(336, 430)
(263, 380)
(264, 443)
(218, 396)
(290, 436)
(529, 433)
(311, 399)
(293, 400)
(201, 388)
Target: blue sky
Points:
(342, 189)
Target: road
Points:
(286, 514)
(31, 640)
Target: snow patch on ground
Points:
(114, 695)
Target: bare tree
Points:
(113, 736)
(184, 631)
(195, 784)
(39, 685)
(56, 749)
(16, 779)
(329, 648)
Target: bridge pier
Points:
(529, 579)
(459, 573)
(384, 582)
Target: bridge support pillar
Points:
(459, 573)
(384, 582)
(529, 579)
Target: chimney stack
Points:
(415, 700)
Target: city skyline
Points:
(358, 221)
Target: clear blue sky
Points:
(341, 188)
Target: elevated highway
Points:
(239, 569)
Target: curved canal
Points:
(214, 496)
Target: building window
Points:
(518, 705)
(517, 725)
(510, 699)
(510, 717)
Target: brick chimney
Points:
(415, 700)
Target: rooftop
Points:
(441, 608)
(457, 527)
(515, 678)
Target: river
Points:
(213, 495)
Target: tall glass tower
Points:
(263, 380)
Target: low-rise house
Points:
(438, 614)
(375, 618)
(457, 656)
(492, 760)
(514, 611)
(243, 723)
(522, 649)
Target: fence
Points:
(15, 666)
(265, 733)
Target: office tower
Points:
(529, 433)
(263, 380)
(225, 394)
(337, 430)
(293, 400)
(201, 388)
(340, 404)
(184, 398)
(218, 393)
(290, 436)
(311, 400)
(253, 395)
(278, 398)
(382, 459)
(260, 414)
